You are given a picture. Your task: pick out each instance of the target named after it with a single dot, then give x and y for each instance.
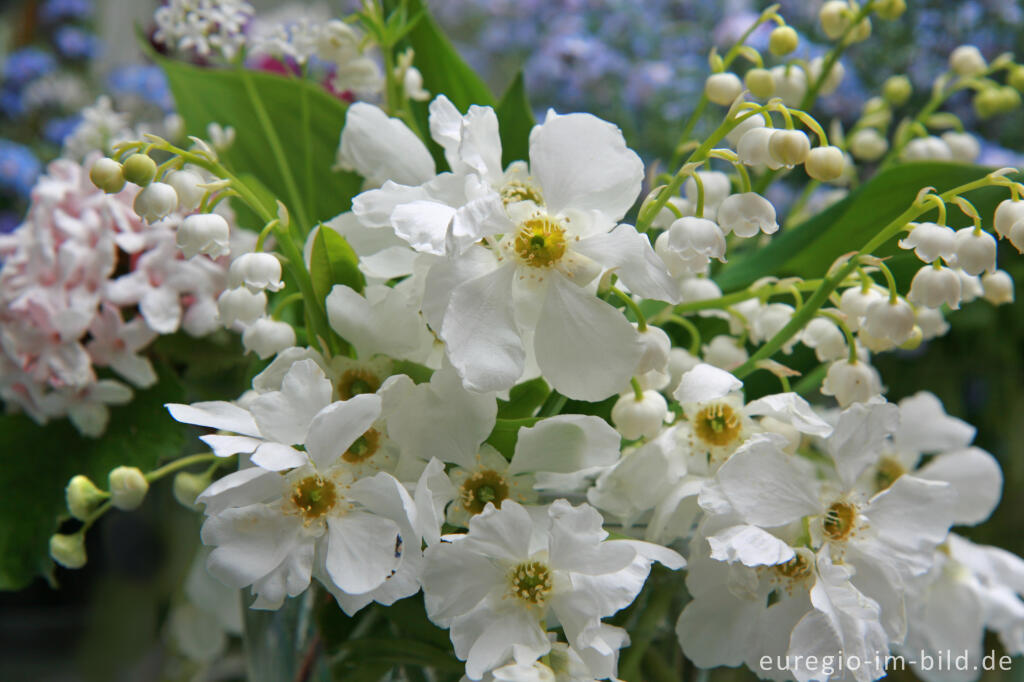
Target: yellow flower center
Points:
(540, 241)
(356, 382)
(483, 487)
(839, 520)
(363, 448)
(530, 581)
(796, 568)
(314, 496)
(520, 191)
(718, 424)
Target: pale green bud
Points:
(187, 487)
(760, 82)
(890, 9)
(897, 90)
(108, 175)
(128, 487)
(825, 163)
(68, 550)
(83, 497)
(140, 169)
(782, 41)
(1015, 78)
(834, 17)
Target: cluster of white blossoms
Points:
(87, 284)
(203, 26)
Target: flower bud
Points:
(68, 550)
(1009, 98)
(140, 169)
(108, 175)
(128, 487)
(755, 121)
(827, 340)
(639, 418)
(206, 233)
(825, 163)
(975, 250)
(257, 271)
(155, 202)
(931, 322)
(790, 84)
(851, 382)
(782, 41)
(679, 363)
(929, 241)
(854, 304)
(897, 90)
(1008, 212)
(970, 286)
(240, 306)
(861, 32)
(760, 82)
(747, 214)
(963, 146)
(187, 487)
(698, 289)
(656, 345)
(891, 321)
(186, 184)
(717, 187)
(723, 88)
(83, 497)
(966, 60)
(988, 102)
(266, 337)
(789, 147)
(998, 287)
(723, 352)
(1015, 77)
(890, 10)
(867, 144)
(753, 149)
(928, 148)
(834, 17)
(933, 286)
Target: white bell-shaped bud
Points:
(642, 418)
(267, 337)
(933, 286)
(240, 306)
(975, 250)
(929, 241)
(128, 487)
(186, 184)
(747, 214)
(206, 233)
(155, 201)
(851, 382)
(257, 271)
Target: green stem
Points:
(638, 390)
(182, 463)
(641, 320)
(691, 329)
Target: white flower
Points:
(790, 84)
(854, 303)
(975, 250)
(717, 186)
(963, 146)
(640, 418)
(825, 337)
(933, 286)
(825, 163)
(186, 185)
(656, 348)
(205, 233)
(240, 307)
(203, 26)
(689, 245)
(747, 214)
(892, 321)
(494, 586)
(928, 148)
(789, 147)
(998, 287)
(155, 201)
(386, 321)
(832, 80)
(256, 271)
(752, 147)
(265, 337)
(929, 241)
(851, 382)
(724, 351)
(381, 148)
(867, 144)
(1007, 213)
(932, 322)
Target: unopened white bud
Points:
(967, 60)
(723, 88)
(640, 418)
(747, 124)
(128, 487)
(696, 240)
(867, 144)
(186, 184)
(206, 233)
(753, 149)
(240, 306)
(931, 322)
(933, 286)
(790, 84)
(825, 338)
(851, 382)
(83, 497)
(698, 289)
(656, 345)
(155, 201)
(717, 186)
(68, 550)
(998, 287)
(854, 304)
(266, 337)
(747, 214)
(1008, 212)
(929, 241)
(928, 148)
(108, 175)
(964, 147)
(970, 286)
(890, 320)
(825, 163)
(187, 487)
(723, 352)
(975, 250)
(789, 147)
(257, 271)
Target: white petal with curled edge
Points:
(582, 162)
(240, 488)
(631, 256)
(792, 409)
(925, 427)
(749, 545)
(478, 218)
(705, 382)
(424, 225)
(381, 148)
(338, 425)
(765, 487)
(480, 330)
(374, 208)
(564, 444)
(576, 333)
(285, 415)
(576, 542)
(225, 446)
(975, 476)
(361, 551)
(278, 457)
(432, 494)
(217, 414)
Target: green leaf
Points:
(333, 262)
(515, 121)
(286, 133)
(524, 399)
(810, 248)
(506, 433)
(36, 463)
(444, 71)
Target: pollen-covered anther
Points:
(314, 496)
(483, 487)
(540, 241)
(839, 521)
(357, 382)
(516, 191)
(530, 581)
(718, 424)
(363, 448)
(796, 568)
